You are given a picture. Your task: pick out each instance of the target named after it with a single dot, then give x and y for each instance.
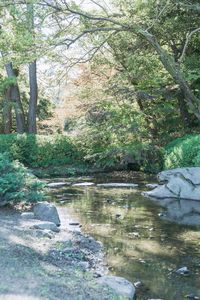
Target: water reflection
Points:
(139, 245)
(181, 211)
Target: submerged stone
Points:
(57, 184)
(117, 185)
(83, 184)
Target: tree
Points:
(32, 112)
(91, 24)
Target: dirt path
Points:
(28, 271)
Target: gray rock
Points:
(120, 285)
(27, 215)
(46, 212)
(192, 174)
(46, 226)
(190, 220)
(138, 284)
(182, 271)
(152, 185)
(74, 223)
(83, 184)
(117, 185)
(192, 297)
(182, 183)
(46, 233)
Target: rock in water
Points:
(55, 185)
(120, 285)
(45, 211)
(181, 183)
(117, 185)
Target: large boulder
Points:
(45, 211)
(190, 174)
(121, 286)
(181, 183)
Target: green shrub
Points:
(183, 152)
(17, 183)
(39, 151)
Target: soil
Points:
(35, 267)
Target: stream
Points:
(139, 245)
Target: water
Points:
(139, 245)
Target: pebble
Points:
(74, 223)
(182, 271)
(192, 297)
(118, 215)
(138, 284)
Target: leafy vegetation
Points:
(137, 81)
(183, 152)
(39, 151)
(17, 183)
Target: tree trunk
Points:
(174, 70)
(32, 113)
(7, 112)
(15, 98)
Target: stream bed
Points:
(139, 245)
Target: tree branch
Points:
(188, 37)
(86, 15)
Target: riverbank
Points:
(58, 266)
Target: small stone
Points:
(118, 216)
(83, 184)
(162, 214)
(152, 185)
(27, 215)
(57, 184)
(192, 297)
(120, 285)
(84, 264)
(182, 271)
(44, 234)
(74, 223)
(46, 226)
(138, 284)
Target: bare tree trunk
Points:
(16, 100)
(7, 112)
(174, 70)
(32, 112)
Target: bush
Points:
(17, 183)
(39, 151)
(183, 152)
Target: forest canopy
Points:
(138, 65)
